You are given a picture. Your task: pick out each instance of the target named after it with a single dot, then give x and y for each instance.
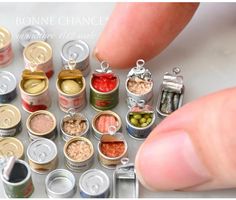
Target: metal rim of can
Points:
(17, 143)
(97, 171)
(78, 138)
(9, 37)
(70, 95)
(71, 136)
(36, 94)
(24, 180)
(45, 112)
(17, 111)
(105, 112)
(13, 78)
(66, 174)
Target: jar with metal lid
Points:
(104, 88)
(171, 93)
(10, 120)
(6, 53)
(78, 51)
(112, 147)
(139, 84)
(71, 88)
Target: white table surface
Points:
(205, 51)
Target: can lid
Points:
(9, 116)
(94, 182)
(5, 37)
(42, 151)
(38, 52)
(76, 50)
(10, 146)
(31, 33)
(8, 82)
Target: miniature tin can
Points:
(78, 51)
(7, 87)
(32, 102)
(42, 155)
(139, 85)
(60, 183)
(94, 183)
(74, 124)
(104, 88)
(112, 147)
(75, 100)
(6, 53)
(39, 55)
(30, 34)
(171, 93)
(39, 118)
(10, 146)
(79, 154)
(10, 120)
(140, 120)
(102, 120)
(20, 184)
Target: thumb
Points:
(194, 148)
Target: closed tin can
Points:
(139, 85)
(39, 55)
(112, 147)
(171, 93)
(104, 88)
(38, 99)
(79, 154)
(7, 87)
(94, 183)
(103, 120)
(74, 124)
(78, 51)
(140, 120)
(6, 53)
(42, 155)
(60, 183)
(10, 120)
(10, 146)
(71, 87)
(20, 183)
(36, 120)
(30, 34)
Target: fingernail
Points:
(170, 162)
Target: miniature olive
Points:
(137, 116)
(134, 121)
(140, 119)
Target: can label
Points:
(78, 167)
(8, 97)
(7, 133)
(6, 55)
(103, 195)
(141, 134)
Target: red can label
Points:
(6, 55)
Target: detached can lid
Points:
(31, 33)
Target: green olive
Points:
(142, 120)
(146, 116)
(144, 124)
(149, 120)
(134, 121)
(70, 87)
(137, 116)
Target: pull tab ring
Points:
(71, 64)
(141, 103)
(33, 67)
(124, 161)
(176, 70)
(71, 112)
(112, 130)
(140, 63)
(104, 66)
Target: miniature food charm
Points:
(105, 121)
(139, 86)
(34, 86)
(70, 87)
(113, 149)
(104, 82)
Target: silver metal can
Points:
(42, 155)
(10, 120)
(139, 85)
(60, 183)
(171, 93)
(7, 87)
(79, 154)
(74, 124)
(94, 183)
(78, 51)
(30, 34)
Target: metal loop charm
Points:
(71, 112)
(124, 161)
(104, 66)
(112, 130)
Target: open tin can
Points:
(71, 87)
(74, 124)
(10, 120)
(34, 88)
(112, 147)
(42, 155)
(104, 88)
(79, 154)
(171, 93)
(139, 85)
(125, 181)
(140, 120)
